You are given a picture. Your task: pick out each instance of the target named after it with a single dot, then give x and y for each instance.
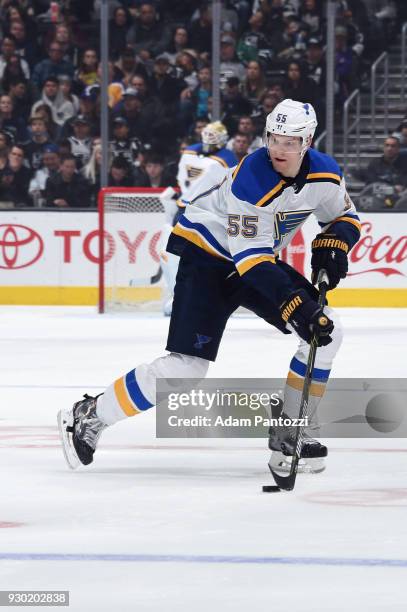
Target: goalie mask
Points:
(292, 118)
(214, 137)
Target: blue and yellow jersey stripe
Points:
(199, 235)
(247, 259)
(349, 218)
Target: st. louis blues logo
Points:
(286, 222)
(201, 340)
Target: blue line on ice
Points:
(241, 560)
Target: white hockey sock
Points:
(322, 368)
(135, 391)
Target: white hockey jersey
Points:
(253, 212)
(196, 169)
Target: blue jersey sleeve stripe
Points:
(205, 233)
(254, 251)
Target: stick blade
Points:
(284, 482)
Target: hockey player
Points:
(228, 241)
(209, 158)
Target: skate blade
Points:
(309, 466)
(65, 419)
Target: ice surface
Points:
(182, 524)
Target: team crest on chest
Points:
(193, 172)
(286, 222)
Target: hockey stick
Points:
(287, 482)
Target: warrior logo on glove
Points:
(329, 253)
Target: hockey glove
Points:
(329, 253)
(307, 317)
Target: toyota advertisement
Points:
(40, 250)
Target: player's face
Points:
(285, 153)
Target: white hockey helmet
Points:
(292, 118)
(214, 136)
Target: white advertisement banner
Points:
(60, 249)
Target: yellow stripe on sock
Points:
(125, 403)
(297, 382)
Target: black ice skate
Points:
(80, 429)
(282, 442)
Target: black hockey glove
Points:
(307, 317)
(329, 253)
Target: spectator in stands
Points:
(55, 100)
(299, 86)
(87, 72)
(53, 66)
(71, 106)
(311, 14)
(88, 102)
(267, 104)
(118, 27)
(167, 86)
(254, 85)
(121, 173)
(148, 36)
(194, 102)
(66, 188)
(13, 70)
(8, 121)
(316, 63)
(234, 104)
(130, 109)
(8, 50)
(240, 145)
(129, 65)
(81, 140)
(6, 142)
(186, 63)
(21, 98)
(346, 66)
(153, 173)
(26, 48)
(391, 168)
(39, 141)
(179, 43)
(44, 111)
(50, 166)
(200, 31)
(247, 127)
(195, 131)
(153, 111)
(121, 143)
(63, 36)
(401, 135)
(252, 41)
(15, 179)
(229, 63)
(293, 39)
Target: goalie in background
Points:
(200, 165)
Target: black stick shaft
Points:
(287, 482)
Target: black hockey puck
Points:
(270, 489)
